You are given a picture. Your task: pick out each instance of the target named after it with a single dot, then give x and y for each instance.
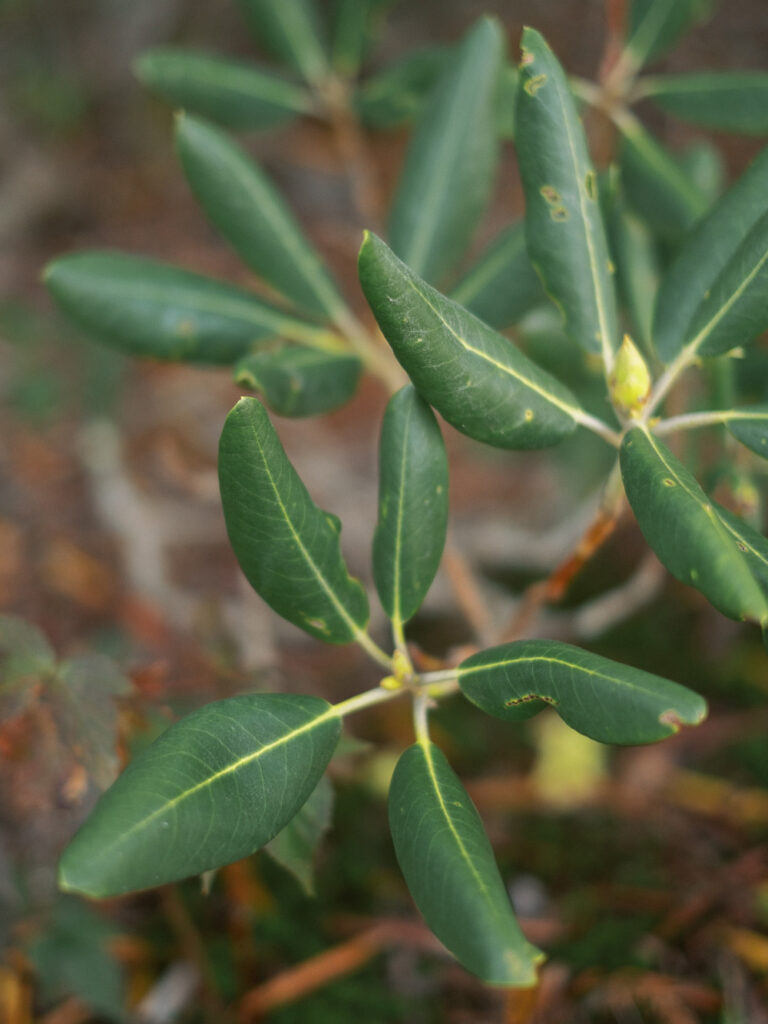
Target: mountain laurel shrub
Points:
(655, 276)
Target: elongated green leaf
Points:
(450, 870)
(397, 94)
(506, 101)
(602, 699)
(287, 547)
(446, 182)
(655, 183)
(563, 223)
(476, 379)
(148, 308)
(354, 26)
(731, 101)
(656, 25)
(244, 205)
(213, 788)
(296, 845)
(299, 381)
(501, 286)
(704, 165)
(684, 529)
(234, 94)
(290, 29)
(705, 255)
(750, 426)
(637, 270)
(750, 543)
(413, 505)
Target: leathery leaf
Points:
(476, 379)
(449, 867)
(213, 788)
(287, 547)
(603, 699)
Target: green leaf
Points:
(501, 286)
(704, 165)
(475, 378)
(729, 101)
(26, 660)
(705, 255)
(655, 183)
(397, 94)
(287, 547)
(354, 27)
(656, 25)
(300, 381)
(750, 426)
(241, 201)
(290, 30)
(563, 223)
(602, 699)
(637, 270)
(506, 101)
(234, 94)
(146, 308)
(294, 848)
(450, 870)
(750, 543)
(413, 505)
(446, 182)
(82, 697)
(685, 530)
(213, 788)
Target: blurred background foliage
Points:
(643, 873)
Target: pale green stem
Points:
(666, 381)
(445, 675)
(365, 700)
(613, 437)
(371, 648)
(398, 636)
(421, 718)
(692, 420)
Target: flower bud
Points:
(630, 381)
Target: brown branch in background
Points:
(466, 589)
(615, 32)
(192, 948)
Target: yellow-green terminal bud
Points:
(391, 683)
(402, 666)
(630, 381)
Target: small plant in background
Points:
(612, 251)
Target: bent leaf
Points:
(413, 505)
(563, 223)
(656, 185)
(750, 426)
(213, 788)
(685, 530)
(287, 547)
(449, 867)
(241, 201)
(475, 378)
(655, 26)
(295, 846)
(501, 286)
(602, 699)
(448, 174)
(299, 381)
(731, 101)
(236, 95)
(707, 251)
(146, 308)
(290, 29)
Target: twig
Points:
(466, 589)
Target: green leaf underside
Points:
(731, 101)
(655, 25)
(354, 27)
(752, 544)
(449, 867)
(750, 426)
(297, 381)
(241, 201)
(637, 270)
(398, 93)
(448, 174)
(236, 95)
(287, 547)
(602, 699)
(413, 505)
(705, 255)
(295, 846)
(683, 527)
(213, 788)
(290, 30)
(501, 286)
(146, 308)
(563, 223)
(476, 379)
(656, 185)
